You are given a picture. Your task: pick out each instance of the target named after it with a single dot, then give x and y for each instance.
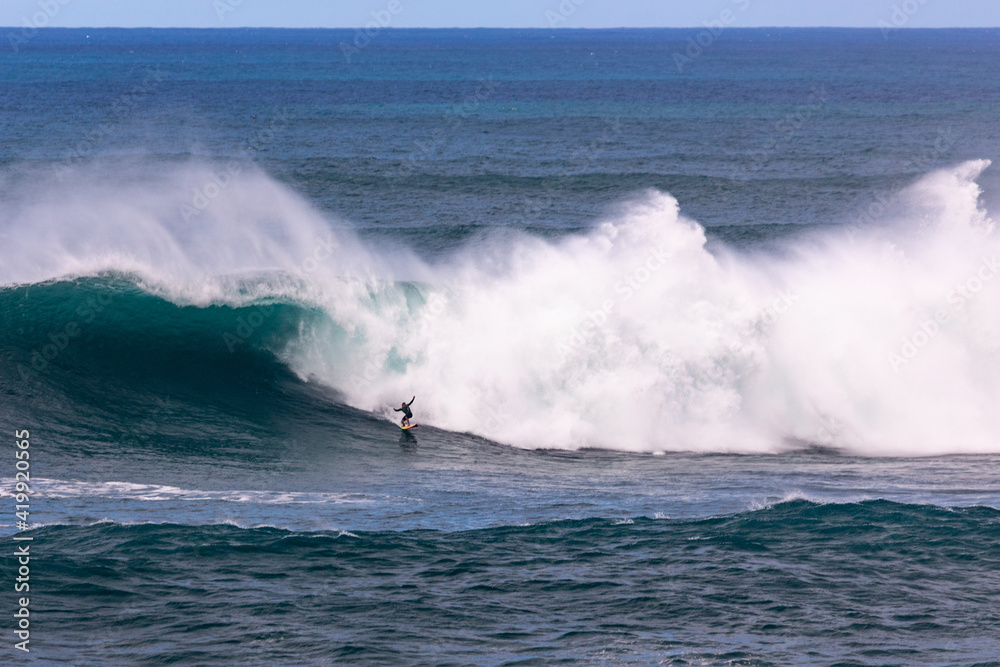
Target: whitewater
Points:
(639, 334)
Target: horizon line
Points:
(538, 28)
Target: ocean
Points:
(703, 330)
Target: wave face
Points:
(878, 340)
(797, 582)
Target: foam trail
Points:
(57, 488)
(633, 336)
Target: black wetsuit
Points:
(406, 409)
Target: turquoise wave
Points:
(109, 329)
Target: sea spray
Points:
(708, 350)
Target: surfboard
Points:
(407, 428)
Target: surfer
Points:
(406, 412)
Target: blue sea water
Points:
(705, 355)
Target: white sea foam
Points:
(633, 336)
(242, 525)
(57, 488)
(766, 504)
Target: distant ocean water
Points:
(705, 355)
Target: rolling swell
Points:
(796, 582)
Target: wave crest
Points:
(634, 336)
